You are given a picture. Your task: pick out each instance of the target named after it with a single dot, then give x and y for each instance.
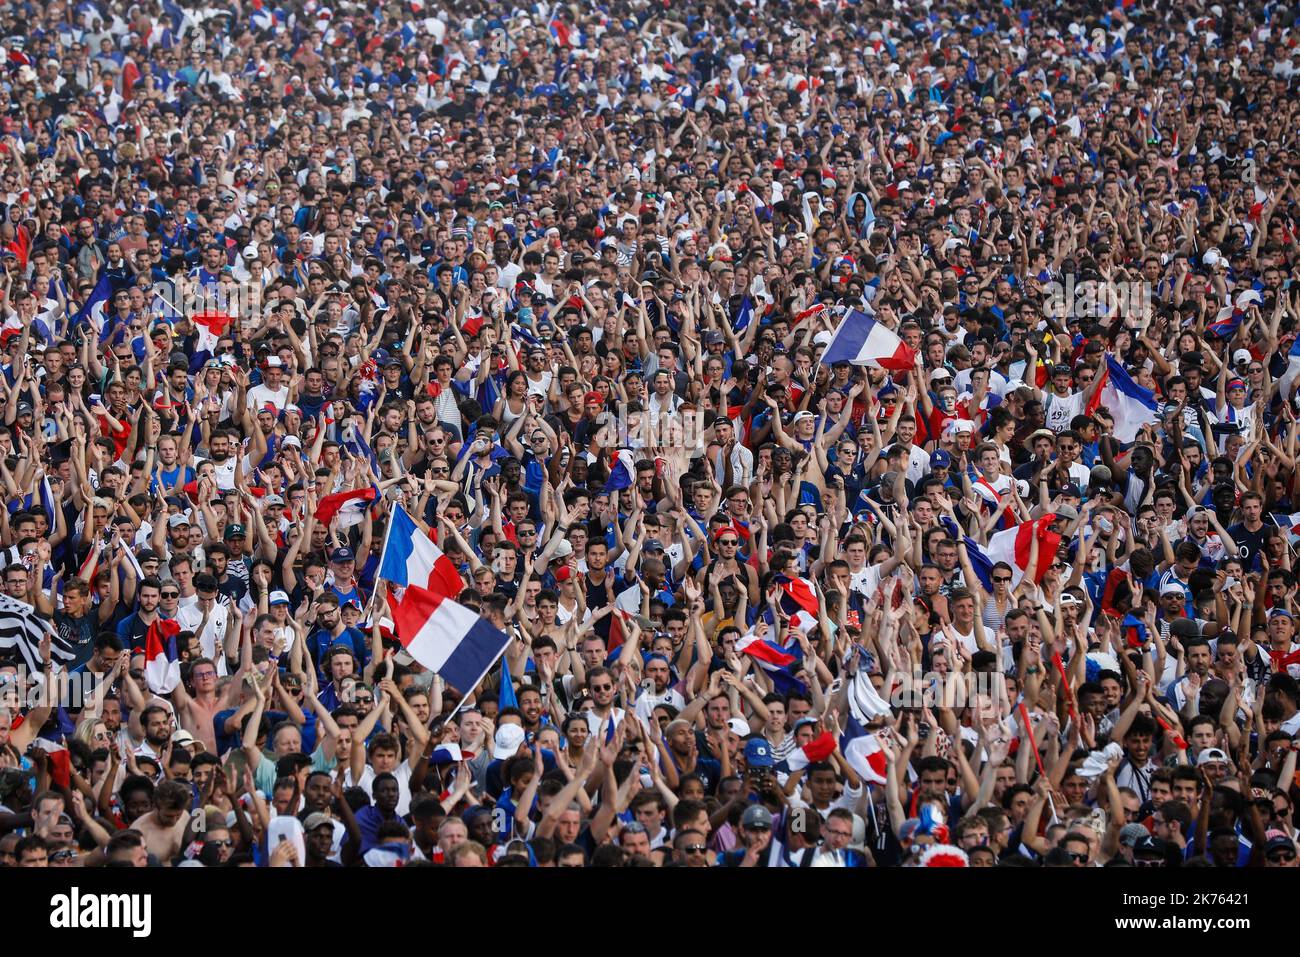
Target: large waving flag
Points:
(863, 752)
(622, 473)
(862, 341)
(162, 667)
(350, 506)
(409, 558)
(1012, 547)
(448, 638)
(1131, 405)
(818, 749)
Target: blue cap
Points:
(340, 555)
(939, 459)
(758, 753)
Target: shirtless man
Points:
(163, 828)
(196, 711)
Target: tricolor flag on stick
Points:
(409, 557)
(1131, 405)
(862, 341)
(863, 752)
(448, 638)
(818, 749)
(350, 506)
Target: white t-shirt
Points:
(593, 720)
(224, 473)
(260, 395)
(648, 701)
(189, 617)
(1061, 410)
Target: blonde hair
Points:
(86, 729)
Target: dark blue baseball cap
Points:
(758, 753)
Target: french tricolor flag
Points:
(349, 506)
(764, 652)
(210, 326)
(745, 316)
(622, 472)
(447, 638)
(60, 761)
(863, 752)
(1012, 547)
(449, 753)
(618, 630)
(1131, 405)
(861, 341)
(799, 601)
(1226, 322)
(818, 749)
(815, 310)
(410, 558)
(162, 667)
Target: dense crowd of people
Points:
(556, 281)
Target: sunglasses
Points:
(171, 594)
(694, 848)
(1281, 857)
(1005, 579)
